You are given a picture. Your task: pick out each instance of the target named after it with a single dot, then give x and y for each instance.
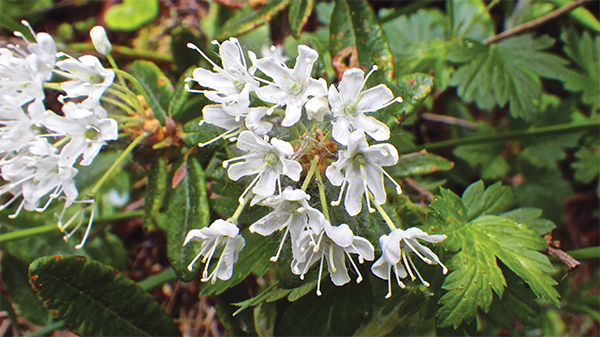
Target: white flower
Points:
(34, 172)
(220, 233)
(275, 52)
(230, 83)
(291, 87)
(292, 212)
(317, 108)
(88, 133)
(395, 248)
(349, 105)
(88, 78)
(337, 243)
(100, 40)
(362, 172)
(267, 161)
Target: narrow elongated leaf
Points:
(155, 190)
(188, 209)
(298, 15)
(94, 299)
(249, 18)
(354, 24)
(180, 95)
(421, 163)
(15, 281)
(157, 88)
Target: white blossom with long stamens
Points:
(221, 233)
(349, 103)
(335, 245)
(395, 248)
(291, 87)
(291, 212)
(87, 78)
(230, 83)
(363, 174)
(268, 161)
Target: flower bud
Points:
(317, 108)
(100, 40)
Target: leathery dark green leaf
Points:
(158, 90)
(249, 19)
(155, 190)
(421, 163)
(298, 15)
(354, 24)
(94, 299)
(188, 209)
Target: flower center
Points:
(296, 89)
(271, 158)
(91, 132)
(359, 159)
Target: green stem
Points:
(126, 53)
(133, 80)
(126, 95)
(311, 172)
(585, 254)
(113, 64)
(537, 132)
(54, 86)
(323, 196)
(24, 233)
(118, 104)
(47, 330)
(386, 218)
(238, 211)
(116, 164)
(157, 280)
(404, 10)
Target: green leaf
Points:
(413, 89)
(518, 301)
(337, 312)
(94, 299)
(108, 249)
(506, 72)
(155, 190)
(488, 157)
(420, 44)
(264, 319)
(421, 163)
(493, 200)
(158, 90)
(299, 13)
(531, 217)
(471, 20)
(188, 209)
(586, 165)
(184, 57)
(580, 14)
(354, 24)
(130, 14)
(249, 19)
(16, 282)
(180, 96)
(479, 243)
(584, 50)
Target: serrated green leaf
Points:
(531, 217)
(354, 24)
(130, 14)
(298, 15)
(506, 72)
(471, 20)
(481, 201)
(15, 281)
(249, 18)
(157, 88)
(421, 163)
(518, 302)
(420, 44)
(587, 164)
(337, 312)
(188, 209)
(93, 299)
(155, 190)
(480, 242)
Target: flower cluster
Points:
(261, 114)
(39, 147)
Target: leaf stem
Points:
(116, 164)
(532, 24)
(238, 211)
(386, 218)
(113, 64)
(585, 254)
(311, 172)
(323, 196)
(531, 133)
(158, 279)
